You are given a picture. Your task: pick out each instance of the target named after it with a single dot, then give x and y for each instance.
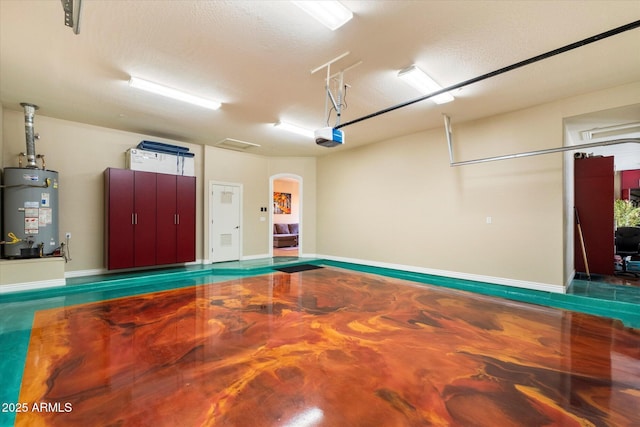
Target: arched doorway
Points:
(285, 215)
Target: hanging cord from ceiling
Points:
(340, 106)
(503, 70)
(334, 83)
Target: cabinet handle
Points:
(178, 216)
(136, 219)
(133, 222)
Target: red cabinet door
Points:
(119, 228)
(167, 220)
(186, 211)
(144, 218)
(594, 195)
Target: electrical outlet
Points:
(68, 235)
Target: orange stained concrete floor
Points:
(327, 347)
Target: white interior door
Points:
(224, 235)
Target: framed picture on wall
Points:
(281, 203)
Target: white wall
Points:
(250, 171)
(399, 202)
(253, 172)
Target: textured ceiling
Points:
(256, 57)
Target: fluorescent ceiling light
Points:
(417, 78)
(330, 13)
(294, 129)
(173, 93)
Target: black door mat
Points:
(298, 268)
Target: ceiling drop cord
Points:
(537, 58)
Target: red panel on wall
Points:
(630, 179)
(594, 203)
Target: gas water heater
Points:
(30, 202)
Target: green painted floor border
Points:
(627, 313)
(128, 284)
(100, 286)
(114, 281)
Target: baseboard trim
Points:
(101, 271)
(83, 273)
(31, 286)
(516, 283)
(250, 257)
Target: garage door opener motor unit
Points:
(332, 136)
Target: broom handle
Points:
(584, 250)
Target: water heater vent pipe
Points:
(29, 113)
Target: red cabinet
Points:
(176, 226)
(594, 178)
(149, 218)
